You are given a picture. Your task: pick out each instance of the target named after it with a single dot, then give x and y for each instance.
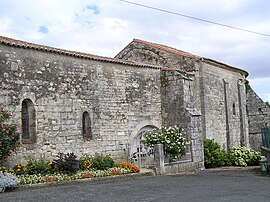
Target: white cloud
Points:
(261, 87)
(266, 96)
(5, 23)
(109, 25)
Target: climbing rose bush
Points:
(172, 138)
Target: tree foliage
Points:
(9, 137)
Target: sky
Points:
(104, 27)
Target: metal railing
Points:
(265, 132)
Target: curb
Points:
(97, 180)
(234, 168)
(252, 170)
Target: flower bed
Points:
(65, 167)
(58, 177)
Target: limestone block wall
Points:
(178, 109)
(258, 117)
(223, 105)
(218, 90)
(129, 100)
(172, 89)
(119, 99)
(150, 53)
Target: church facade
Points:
(218, 89)
(66, 101)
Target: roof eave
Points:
(27, 45)
(245, 73)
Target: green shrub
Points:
(172, 138)
(86, 162)
(213, 156)
(247, 86)
(66, 163)
(39, 167)
(243, 156)
(3, 168)
(18, 169)
(238, 156)
(102, 162)
(9, 137)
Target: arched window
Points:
(28, 121)
(86, 126)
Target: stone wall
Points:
(150, 53)
(123, 99)
(120, 99)
(178, 108)
(218, 90)
(223, 105)
(258, 117)
(179, 97)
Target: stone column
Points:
(228, 115)
(244, 138)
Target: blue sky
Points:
(104, 27)
(43, 29)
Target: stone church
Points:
(67, 101)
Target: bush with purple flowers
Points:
(66, 163)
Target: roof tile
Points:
(23, 44)
(168, 49)
(188, 55)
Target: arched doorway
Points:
(140, 155)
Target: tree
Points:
(247, 86)
(9, 137)
(268, 104)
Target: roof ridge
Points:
(168, 48)
(24, 44)
(185, 54)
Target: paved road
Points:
(210, 185)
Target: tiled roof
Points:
(168, 49)
(188, 55)
(23, 44)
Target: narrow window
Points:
(234, 110)
(86, 126)
(28, 122)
